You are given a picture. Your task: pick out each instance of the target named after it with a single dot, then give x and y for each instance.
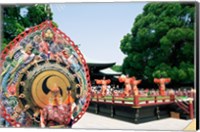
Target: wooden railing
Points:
(140, 101)
(186, 106)
(133, 100)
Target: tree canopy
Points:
(117, 68)
(161, 43)
(16, 18)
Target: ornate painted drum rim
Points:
(47, 77)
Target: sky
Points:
(97, 28)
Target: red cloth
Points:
(128, 84)
(56, 115)
(104, 84)
(162, 82)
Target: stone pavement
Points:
(93, 121)
(191, 126)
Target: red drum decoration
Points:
(45, 80)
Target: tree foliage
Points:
(161, 43)
(16, 18)
(117, 68)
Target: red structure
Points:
(128, 81)
(154, 106)
(135, 88)
(104, 84)
(161, 82)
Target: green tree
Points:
(161, 43)
(16, 18)
(117, 68)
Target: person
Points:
(104, 82)
(146, 92)
(56, 114)
(153, 93)
(112, 89)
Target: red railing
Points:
(139, 101)
(133, 100)
(186, 106)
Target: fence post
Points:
(163, 100)
(97, 97)
(136, 100)
(113, 97)
(191, 108)
(155, 98)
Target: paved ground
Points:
(93, 121)
(191, 126)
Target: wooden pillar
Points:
(136, 100)
(113, 99)
(191, 109)
(156, 99)
(163, 100)
(97, 97)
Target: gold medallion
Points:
(44, 83)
